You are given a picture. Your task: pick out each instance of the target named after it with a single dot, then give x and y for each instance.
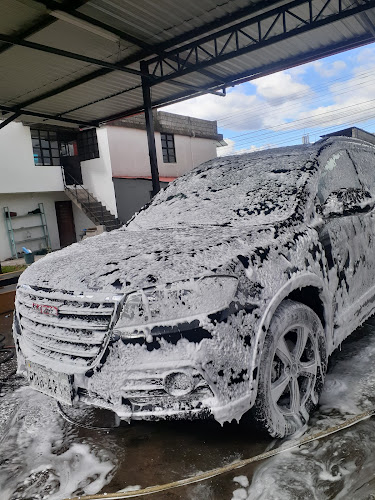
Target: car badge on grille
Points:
(44, 309)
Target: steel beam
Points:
(43, 21)
(150, 132)
(151, 49)
(195, 90)
(138, 56)
(215, 84)
(9, 120)
(53, 5)
(252, 34)
(257, 72)
(49, 117)
(220, 92)
(71, 55)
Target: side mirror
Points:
(347, 202)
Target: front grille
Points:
(71, 340)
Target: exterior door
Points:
(70, 162)
(65, 223)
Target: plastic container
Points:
(29, 258)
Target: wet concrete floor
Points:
(43, 456)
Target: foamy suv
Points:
(227, 293)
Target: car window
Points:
(364, 160)
(338, 173)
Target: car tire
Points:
(292, 369)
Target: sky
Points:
(277, 110)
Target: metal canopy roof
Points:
(78, 62)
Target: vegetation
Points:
(11, 269)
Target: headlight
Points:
(177, 300)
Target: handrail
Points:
(80, 200)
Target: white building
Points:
(87, 178)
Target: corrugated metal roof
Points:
(57, 86)
(156, 21)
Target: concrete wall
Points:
(97, 174)
(81, 221)
(24, 202)
(174, 124)
(129, 153)
(18, 172)
(131, 195)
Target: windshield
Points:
(250, 189)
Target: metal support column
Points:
(150, 129)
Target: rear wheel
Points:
(292, 369)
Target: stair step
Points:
(92, 205)
(107, 217)
(95, 210)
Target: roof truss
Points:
(249, 35)
(194, 51)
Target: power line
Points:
(294, 105)
(308, 121)
(301, 95)
(297, 137)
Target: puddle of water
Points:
(340, 466)
(43, 457)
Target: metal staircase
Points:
(86, 201)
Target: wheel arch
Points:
(308, 289)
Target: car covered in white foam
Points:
(227, 293)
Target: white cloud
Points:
(285, 101)
(365, 56)
(213, 107)
(279, 87)
(231, 148)
(327, 70)
(351, 101)
(241, 111)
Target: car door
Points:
(341, 236)
(363, 158)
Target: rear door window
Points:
(338, 173)
(364, 160)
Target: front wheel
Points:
(292, 369)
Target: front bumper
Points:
(129, 376)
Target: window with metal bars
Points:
(168, 148)
(87, 143)
(45, 147)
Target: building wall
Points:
(23, 203)
(132, 195)
(173, 124)
(97, 174)
(129, 153)
(18, 172)
(81, 222)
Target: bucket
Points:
(29, 258)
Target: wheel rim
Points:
(294, 372)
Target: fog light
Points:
(178, 384)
